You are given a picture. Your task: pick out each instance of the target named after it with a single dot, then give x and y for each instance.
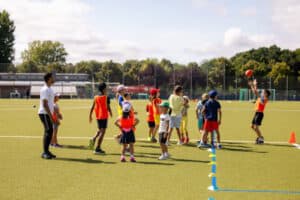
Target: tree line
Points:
(40, 56)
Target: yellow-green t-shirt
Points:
(176, 103)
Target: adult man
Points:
(45, 113)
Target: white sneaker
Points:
(167, 155)
(179, 143)
(162, 157)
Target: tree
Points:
(279, 72)
(7, 41)
(46, 55)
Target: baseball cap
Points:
(120, 88)
(212, 93)
(154, 91)
(165, 104)
(126, 106)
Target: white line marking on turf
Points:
(139, 139)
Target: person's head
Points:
(266, 93)
(126, 108)
(48, 78)
(204, 97)
(102, 88)
(127, 96)
(186, 99)
(154, 92)
(164, 107)
(213, 94)
(56, 97)
(178, 90)
(121, 89)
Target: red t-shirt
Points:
(150, 111)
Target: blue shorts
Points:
(175, 121)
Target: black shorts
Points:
(257, 119)
(127, 137)
(151, 124)
(102, 123)
(162, 138)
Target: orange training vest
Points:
(100, 108)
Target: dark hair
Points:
(268, 92)
(178, 89)
(102, 87)
(126, 95)
(47, 77)
(125, 115)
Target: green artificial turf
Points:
(78, 174)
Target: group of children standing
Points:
(165, 116)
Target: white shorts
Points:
(175, 121)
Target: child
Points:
(101, 107)
(127, 124)
(156, 101)
(151, 121)
(120, 98)
(184, 121)
(260, 105)
(213, 116)
(57, 117)
(200, 116)
(164, 130)
(176, 105)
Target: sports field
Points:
(244, 170)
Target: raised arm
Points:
(253, 86)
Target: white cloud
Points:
(65, 21)
(286, 15)
(215, 7)
(249, 11)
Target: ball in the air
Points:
(249, 73)
(34, 106)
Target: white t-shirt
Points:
(164, 123)
(46, 93)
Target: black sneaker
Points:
(99, 151)
(46, 156)
(153, 139)
(260, 140)
(52, 155)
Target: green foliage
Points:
(279, 71)
(46, 55)
(7, 41)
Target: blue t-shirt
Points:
(120, 100)
(211, 110)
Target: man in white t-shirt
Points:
(45, 113)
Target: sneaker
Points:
(179, 143)
(91, 144)
(162, 157)
(123, 159)
(167, 155)
(219, 146)
(186, 140)
(58, 146)
(52, 155)
(46, 156)
(99, 151)
(153, 139)
(149, 139)
(132, 159)
(260, 140)
(203, 145)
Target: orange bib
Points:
(100, 108)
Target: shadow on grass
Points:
(278, 145)
(189, 160)
(149, 146)
(249, 150)
(154, 163)
(76, 147)
(87, 160)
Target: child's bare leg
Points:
(164, 148)
(186, 134)
(170, 134)
(124, 147)
(96, 135)
(204, 136)
(218, 136)
(131, 149)
(101, 136)
(178, 134)
(257, 131)
(54, 137)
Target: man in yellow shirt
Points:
(176, 104)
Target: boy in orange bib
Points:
(101, 108)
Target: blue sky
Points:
(180, 30)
